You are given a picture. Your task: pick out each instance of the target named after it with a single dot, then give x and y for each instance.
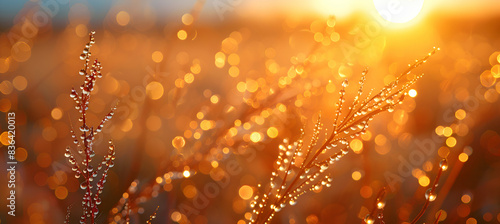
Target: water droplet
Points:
(381, 204)
(324, 167)
(83, 185)
(369, 219)
(430, 196)
(345, 150)
(84, 128)
(345, 83)
(443, 164)
(83, 56)
(67, 154)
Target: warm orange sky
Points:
(345, 8)
(261, 9)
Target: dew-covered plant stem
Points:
(85, 141)
(430, 194)
(292, 179)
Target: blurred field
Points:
(190, 74)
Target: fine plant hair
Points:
(84, 141)
(301, 165)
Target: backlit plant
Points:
(84, 141)
(301, 166)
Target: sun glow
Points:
(398, 11)
(339, 9)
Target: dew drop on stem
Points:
(429, 195)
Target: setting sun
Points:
(398, 11)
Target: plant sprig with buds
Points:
(301, 167)
(85, 140)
